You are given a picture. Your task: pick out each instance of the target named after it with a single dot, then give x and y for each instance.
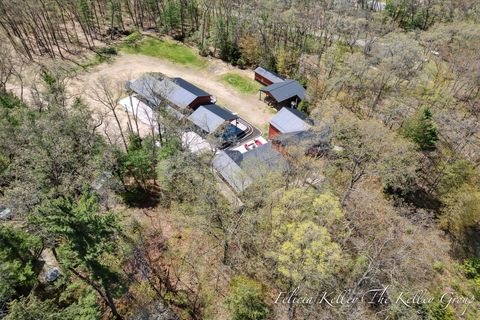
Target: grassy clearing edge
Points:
(164, 49)
(240, 83)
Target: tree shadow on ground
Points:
(468, 245)
(418, 198)
(140, 198)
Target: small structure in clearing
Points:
(284, 94)
(210, 117)
(288, 120)
(266, 77)
(155, 88)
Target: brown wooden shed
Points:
(266, 77)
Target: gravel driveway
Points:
(127, 66)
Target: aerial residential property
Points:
(239, 160)
(233, 132)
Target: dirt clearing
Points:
(127, 66)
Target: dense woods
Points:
(395, 204)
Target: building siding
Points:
(279, 105)
(262, 80)
(200, 101)
(272, 132)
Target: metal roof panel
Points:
(285, 90)
(289, 120)
(272, 76)
(210, 117)
(176, 90)
(231, 172)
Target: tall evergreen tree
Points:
(87, 240)
(422, 130)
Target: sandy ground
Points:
(127, 66)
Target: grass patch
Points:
(265, 132)
(241, 83)
(164, 49)
(94, 61)
(102, 55)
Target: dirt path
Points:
(128, 66)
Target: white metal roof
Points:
(210, 117)
(196, 144)
(139, 109)
(289, 120)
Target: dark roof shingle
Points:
(231, 171)
(190, 87)
(153, 87)
(240, 170)
(285, 90)
(263, 155)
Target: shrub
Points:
(250, 49)
(456, 173)
(438, 311)
(133, 38)
(169, 148)
(202, 50)
(245, 301)
(107, 51)
(269, 62)
(471, 267)
(241, 63)
(303, 106)
(229, 51)
(303, 81)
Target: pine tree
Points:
(18, 253)
(87, 241)
(422, 130)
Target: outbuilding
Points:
(210, 117)
(266, 77)
(288, 93)
(188, 95)
(154, 88)
(288, 120)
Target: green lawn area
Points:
(241, 83)
(165, 49)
